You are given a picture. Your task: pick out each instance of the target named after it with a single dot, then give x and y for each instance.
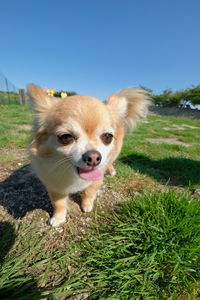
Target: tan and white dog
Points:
(77, 139)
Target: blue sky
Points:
(95, 47)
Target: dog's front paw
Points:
(87, 206)
(57, 221)
(111, 171)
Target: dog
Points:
(76, 141)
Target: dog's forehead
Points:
(90, 113)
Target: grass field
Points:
(141, 242)
(9, 98)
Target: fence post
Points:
(22, 96)
(7, 89)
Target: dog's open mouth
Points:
(91, 174)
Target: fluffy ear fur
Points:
(129, 106)
(40, 102)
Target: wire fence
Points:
(9, 94)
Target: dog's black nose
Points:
(92, 158)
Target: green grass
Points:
(150, 251)
(168, 164)
(147, 248)
(13, 136)
(15, 114)
(9, 98)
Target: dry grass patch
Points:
(170, 141)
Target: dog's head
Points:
(82, 130)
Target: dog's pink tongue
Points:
(90, 175)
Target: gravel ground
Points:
(24, 198)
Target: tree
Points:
(193, 95)
(170, 98)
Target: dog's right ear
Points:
(39, 100)
(40, 103)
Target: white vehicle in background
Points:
(188, 104)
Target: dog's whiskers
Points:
(63, 162)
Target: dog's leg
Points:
(59, 203)
(111, 170)
(89, 195)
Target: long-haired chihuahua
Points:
(76, 141)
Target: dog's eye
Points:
(66, 139)
(106, 138)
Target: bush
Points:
(58, 94)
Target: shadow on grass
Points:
(174, 171)
(13, 286)
(22, 192)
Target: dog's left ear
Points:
(128, 106)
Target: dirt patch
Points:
(191, 127)
(11, 159)
(25, 126)
(181, 127)
(23, 198)
(19, 153)
(175, 127)
(171, 141)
